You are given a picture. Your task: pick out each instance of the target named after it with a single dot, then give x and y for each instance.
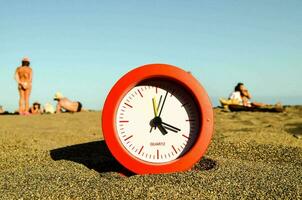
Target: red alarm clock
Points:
(157, 119)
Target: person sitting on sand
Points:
(36, 108)
(23, 76)
(66, 104)
(242, 96)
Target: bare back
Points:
(67, 105)
(24, 73)
(24, 77)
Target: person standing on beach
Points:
(23, 76)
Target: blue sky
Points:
(82, 48)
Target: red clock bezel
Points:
(124, 85)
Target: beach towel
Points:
(269, 108)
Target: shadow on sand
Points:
(295, 129)
(96, 156)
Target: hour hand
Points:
(162, 129)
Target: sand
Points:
(251, 156)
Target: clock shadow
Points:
(93, 155)
(96, 156)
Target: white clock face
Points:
(158, 121)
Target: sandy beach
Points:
(252, 155)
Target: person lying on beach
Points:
(66, 104)
(35, 109)
(23, 76)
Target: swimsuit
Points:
(23, 85)
(79, 107)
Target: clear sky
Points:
(81, 48)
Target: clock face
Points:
(157, 121)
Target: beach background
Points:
(252, 155)
(81, 48)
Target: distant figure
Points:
(239, 100)
(1, 110)
(36, 108)
(66, 104)
(23, 76)
(242, 96)
(49, 109)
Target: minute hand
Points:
(170, 127)
(161, 109)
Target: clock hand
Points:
(162, 129)
(155, 109)
(159, 102)
(170, 127)
(151, 128)
(163, 104)
(156, 122)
